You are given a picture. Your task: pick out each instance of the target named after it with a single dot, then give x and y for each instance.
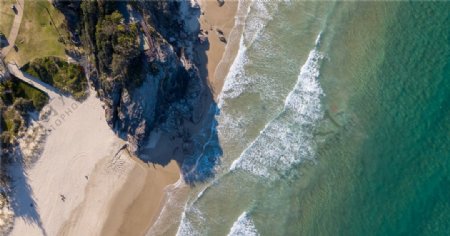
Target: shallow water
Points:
(334, 119)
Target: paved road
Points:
(29, 79)
(15, 27)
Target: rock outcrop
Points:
(158, 86)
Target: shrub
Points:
(67, 77)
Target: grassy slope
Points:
(7, 16)
(38, 36)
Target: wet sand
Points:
(112, 195)
(140, 200)
(138, 206)
(220, 55)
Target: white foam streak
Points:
(259, 13)
(192, 222)
(287, 139)
(235, 80)
(244, 226)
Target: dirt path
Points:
(15, 27)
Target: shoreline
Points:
(220, 57)
(110, 193)
(141, 200)
(136, 208)
(136, 213)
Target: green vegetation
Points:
(16, 100)
(11, 122)
(116, 44)
(41, 33)
(17, 93)
(113, 44)
(7, 16)
(67, 77)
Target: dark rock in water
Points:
(221, 2)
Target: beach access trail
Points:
(15, 27)
(35, 82)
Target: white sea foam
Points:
(259, 14)
(235, 80)
(287, 139)
(191, 226)
(185, 227)
(255, 24)
(244, 226)
(238, 81)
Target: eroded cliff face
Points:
(143, 63)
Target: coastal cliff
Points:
(144, 61)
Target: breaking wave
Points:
(258, 14)
(244, 226)
(288, 138)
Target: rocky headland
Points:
(146, 60)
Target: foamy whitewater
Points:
(256, 17)
(284, 141)
(287, 140)
(244, 226)
(294, 160)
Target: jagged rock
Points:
(170, 90)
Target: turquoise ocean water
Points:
(334, 120)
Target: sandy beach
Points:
(110, 192)
(138, 204)
(217, 19)
(82, 150)
(219, 57)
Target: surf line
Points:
(309, 71)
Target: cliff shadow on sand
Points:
(149, 67)
(22, 199)
(194, 141)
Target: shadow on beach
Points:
(195, 144)
(22, 200)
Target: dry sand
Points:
(105, 192)
(80, 178)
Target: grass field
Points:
(39, 33)
(7, 16)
